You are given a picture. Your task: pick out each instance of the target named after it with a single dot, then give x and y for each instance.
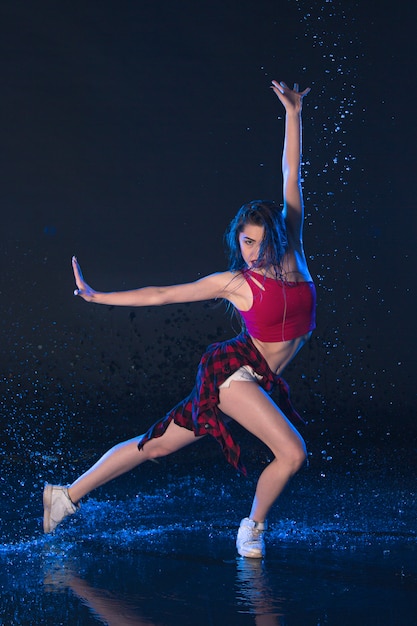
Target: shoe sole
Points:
(47, 504)
(252, 555)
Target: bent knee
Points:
(295, 457)
(300, 458)
(155, 449)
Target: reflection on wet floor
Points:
(253, 596)
(107, 607)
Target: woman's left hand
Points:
(291, 98)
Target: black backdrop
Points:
(131, 132)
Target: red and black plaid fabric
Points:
(199, 412)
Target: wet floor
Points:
(157, 547)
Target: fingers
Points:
(76, 267)
(278, 86)
(283, 88)
(77, 275)
(83, 289)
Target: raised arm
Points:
(207, 288)
(292, 100)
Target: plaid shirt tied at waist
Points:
(199, 411)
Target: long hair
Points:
(274, 243)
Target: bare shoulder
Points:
(222, 283)
(236, 290)
(294, 264)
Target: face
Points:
(250, 239)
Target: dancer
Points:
(270, 287)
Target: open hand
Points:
(83, 290)
(291, 98)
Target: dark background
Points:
(131, 132)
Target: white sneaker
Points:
(250, 541)
(56, 506)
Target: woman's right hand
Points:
(83, 290)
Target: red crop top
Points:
(281, 310)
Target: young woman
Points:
(269, 284)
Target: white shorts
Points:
(245, 373)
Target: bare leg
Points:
(125, 456)
(251, 407)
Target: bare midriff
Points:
(279, 354)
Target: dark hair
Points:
(274, 243)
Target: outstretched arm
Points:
(292, 100)
(207, 288)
